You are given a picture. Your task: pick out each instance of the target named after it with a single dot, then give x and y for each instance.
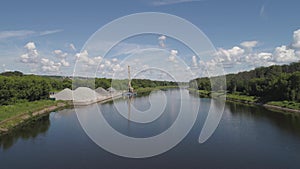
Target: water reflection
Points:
(127, 126)
(286, 121)
(247, 137)
(28, 131)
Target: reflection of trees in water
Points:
(287, 121)
(28, 131)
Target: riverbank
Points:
(276, 105)
(19, 114)
(16, 115)
(150, 89)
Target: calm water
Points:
(247, 137)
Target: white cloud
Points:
(114, 59)
(107, 63)
(173, 55)
(25, 33)
(72, 46)
(98, 59)
(31, 54)
(162, 37)
(44, 64)
(174, 52)
(162, 40)
(30, 46)
(249, 44)
(47, 32)
(60, 53)
(296, 37)
(49, 66)
(117, 68)
(265, 56)
(229, 56)
(65, 63)
(262, 12)
(235, 51)
(258, 59)
(83, 57)
(238, 57)
(284, 55)
(57, 52)
(13, 34)
(102, 66)
(45, 61)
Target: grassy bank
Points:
(241, 98)
(12, 116)
(285, 104)
(9, 111)
(237, 97)
(201, 93)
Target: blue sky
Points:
(54, 25)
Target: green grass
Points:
(201, 93)
(248, 99)
(245, 98)
(285, 104)
(229, 96)
(10, 111)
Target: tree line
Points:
(273, 83)
(17, 87)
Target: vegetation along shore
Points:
(25, 98)
(275, 87)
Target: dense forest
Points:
(274, 83)
(16, 87)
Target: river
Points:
(247, 137)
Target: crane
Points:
(130, 88)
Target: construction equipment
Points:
(130, 91)
(130, 88)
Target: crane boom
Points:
(130, 89)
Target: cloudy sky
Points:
(47, 37)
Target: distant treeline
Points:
(274, 83)
(17, 87)
(119, 84)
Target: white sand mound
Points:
(102, 91)
(111, 89)
(82, 94)
(66, 94)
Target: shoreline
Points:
(268, 106)
(206, 94)
(15, 122)
(8, 125)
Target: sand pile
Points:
(84, 94)
(102, 91)
(66, 94)
(112, 90)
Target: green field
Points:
(9, 111)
